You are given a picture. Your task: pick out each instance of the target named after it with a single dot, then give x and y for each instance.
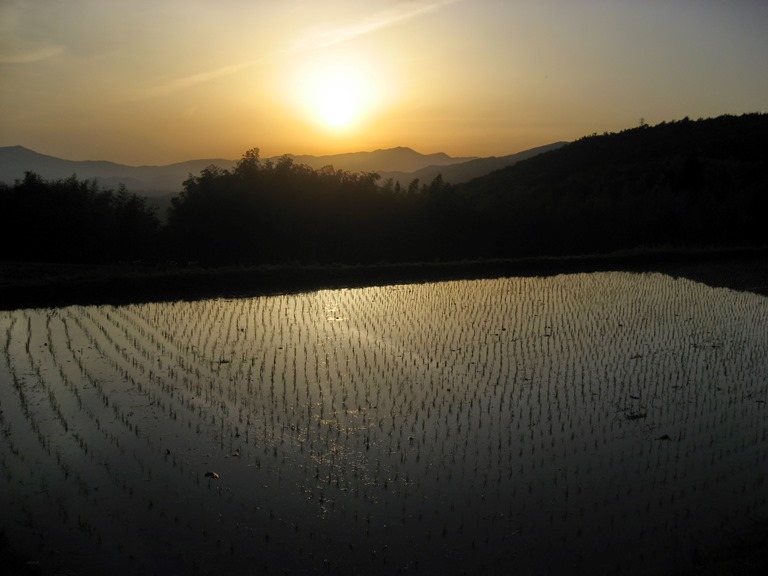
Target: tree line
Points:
(684, 183)
(71, 220)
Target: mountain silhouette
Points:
(152, 180)
(678, 185)
(400, 159)
(456, 173)
(401, 163)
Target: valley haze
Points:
(402, 164)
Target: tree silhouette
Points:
(73, 220)
(685, 183)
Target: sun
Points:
(338, 96)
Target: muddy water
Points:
(593, 423)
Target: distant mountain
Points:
(678, 185)
(456, 173)
(400, 159)
(155, 180)
(401, 163)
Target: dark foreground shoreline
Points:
(34, 285)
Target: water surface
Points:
(588, 423)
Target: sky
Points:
(162, 81)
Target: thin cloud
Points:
(30, 56)
(376, 22)
(193, 80)
(324, 39)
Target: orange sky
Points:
(148, 82)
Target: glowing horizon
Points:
(155, 83)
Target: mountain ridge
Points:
(679, 185)
(153, 180)
(460, 172)
(399, 158)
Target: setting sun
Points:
(184, 79)
(338, 95)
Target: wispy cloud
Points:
(384, 19)
(29, 56)
(401, 13)
(193, 80)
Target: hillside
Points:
(687, 182)
(683, 185)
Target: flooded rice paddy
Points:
(590, 423)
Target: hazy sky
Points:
(159, 81)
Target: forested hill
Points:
(676, 185)
(686, 182)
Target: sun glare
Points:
(338, 96)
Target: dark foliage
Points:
(686, 183)
(683, 183)
(265, 212)
(73, 221)
(680, 184)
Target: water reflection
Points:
(595, 423)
